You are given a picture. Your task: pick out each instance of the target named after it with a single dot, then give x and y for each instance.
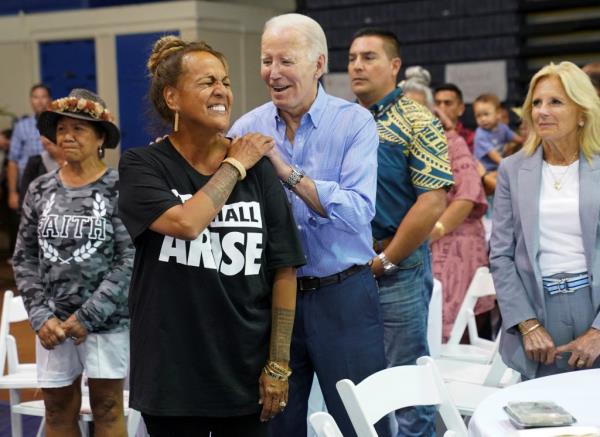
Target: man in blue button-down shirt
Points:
(326, 155)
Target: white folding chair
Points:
(36, 408)
(473, 372)
(19, 375)
(398, 387)
(316, 403)
(324, 425)
(495, 374)
(434, 320)
(467, 397)
(480, 350)
(470, 383)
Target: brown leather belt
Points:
(380, 245)
(310, 283)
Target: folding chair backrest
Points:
(12, 355)
(18, 313)
(481, 285)
(4, 322)
(324, 425)
(434, 320)
(13, 310)
(394, 388)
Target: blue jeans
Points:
(404, 297)
(338, 334)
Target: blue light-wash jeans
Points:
(404, 297)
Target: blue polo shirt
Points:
(412, 159)
(488, 140)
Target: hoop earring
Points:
(101, 152)
(176, 122)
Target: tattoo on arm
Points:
(281, 334)
(220, 186)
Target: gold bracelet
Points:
(278, 368)
(269, 372)
(440, 226)
(521, 325)
(238, 166)
(533, 328)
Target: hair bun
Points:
(418, 74)
(163, 48)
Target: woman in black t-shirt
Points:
(212, 296)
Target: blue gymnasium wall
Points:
(72, 64)
(132, 76)
(525, 33)
(68, 64)
(12, 7)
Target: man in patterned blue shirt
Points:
(412, 178)
(326, 155)
(25, 142)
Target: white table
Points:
(578, 392)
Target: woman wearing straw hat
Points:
(72, 264)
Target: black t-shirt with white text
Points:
(201, 310)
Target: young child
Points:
(491, 135)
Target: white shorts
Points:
(103, 356)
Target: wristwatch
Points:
(388, 266)
(295, 176)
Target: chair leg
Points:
(41, 432)
(133, 422)
(84, 427)
(16, 423)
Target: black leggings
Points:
(194, 426)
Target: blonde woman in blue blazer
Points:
(545, 243)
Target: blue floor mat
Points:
(30, 423)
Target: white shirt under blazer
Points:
(561, 242)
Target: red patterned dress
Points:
(459, 253)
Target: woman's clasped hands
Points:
(540, 347)
(54, 332)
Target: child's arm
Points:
(512, 136)
(518, 138)
(494, 156)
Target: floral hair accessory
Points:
(75, 104)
